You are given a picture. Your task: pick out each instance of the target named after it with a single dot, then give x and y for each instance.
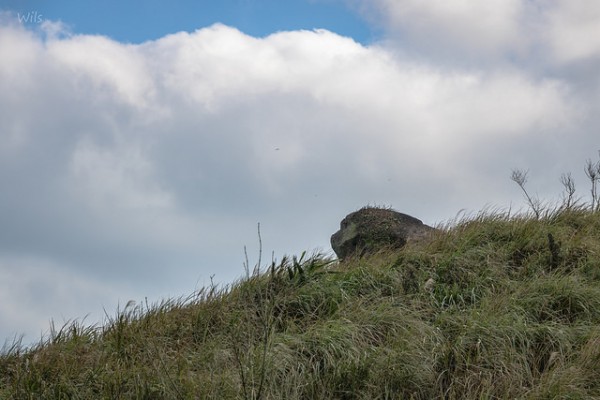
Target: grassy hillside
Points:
(494, 307)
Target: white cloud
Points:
(502, 31)
(18, 49)
(110, 69)
(453, 28)
(151, 164)
(574, 30)
(119, 177)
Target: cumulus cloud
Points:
(151, 164)
(487, 27)
(574, 30)
(464, 31)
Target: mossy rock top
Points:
(371, 228)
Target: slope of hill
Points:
(494, 307)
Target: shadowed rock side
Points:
(370, 229)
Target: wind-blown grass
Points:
(493, 307)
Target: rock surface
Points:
(370, 229)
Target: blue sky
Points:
(138, 21)
(137, 164)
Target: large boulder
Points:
(371, 228)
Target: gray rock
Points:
(371, 228)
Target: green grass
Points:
(494, 307)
